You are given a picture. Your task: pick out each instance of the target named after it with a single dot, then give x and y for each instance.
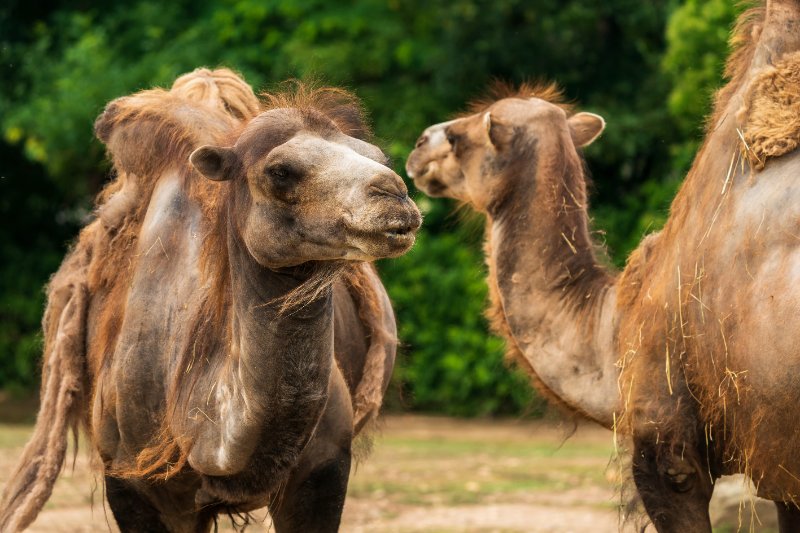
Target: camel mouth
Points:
(389, 239)
(399, 242)
(430, 186)
(422, 175)
(386, 243)
(402, 233)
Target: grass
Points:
(481, 466)
(425, 475)
(13, 435)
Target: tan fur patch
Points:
(62, 395)
(369, 392)
(770, 116)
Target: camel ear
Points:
(214, 162)
(585, 128)
(499, 133)
(104, 124)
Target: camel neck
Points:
(272, 344)
(272, 385)
(558, 302)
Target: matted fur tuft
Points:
(544, 90)
(62, 397)
(342, 107)
(369, 392)
(770, 115)
(742, 45)
(219, 88)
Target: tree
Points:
(413, 63)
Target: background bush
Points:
(648, 67)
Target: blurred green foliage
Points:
(648, 67)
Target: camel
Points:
(689, 353)
(218, 329)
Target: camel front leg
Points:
(132, 510)
(313, 497)
(788, 517)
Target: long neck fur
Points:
(551, 298)
(265, 387)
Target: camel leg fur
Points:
(133, 511)
(313, 498)
(788, 517)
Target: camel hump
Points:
(375, 312)
(770, 115)
(152, 130)
(220, 88)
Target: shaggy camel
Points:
(217, 329)
(702, 324)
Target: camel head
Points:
(307, 191)
(472, 159)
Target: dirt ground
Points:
(428, 474)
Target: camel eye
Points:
(282, 173)
(453, 140)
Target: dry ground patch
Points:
(428, 474)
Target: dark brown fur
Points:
(99, 269)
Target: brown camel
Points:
(218, 330)
(702, 324)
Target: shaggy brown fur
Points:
(513, 356)
(544, 90)
(704, 321)
(148, 134)
(771, 112)
(741, 43)
(369, 393)
(100, 263)
(64, 386)
(338, 105)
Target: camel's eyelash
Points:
(283, 172)
(454, 140)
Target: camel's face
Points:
(315, 193)
(471, 159)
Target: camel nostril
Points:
(422, 140)
(388, 185)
